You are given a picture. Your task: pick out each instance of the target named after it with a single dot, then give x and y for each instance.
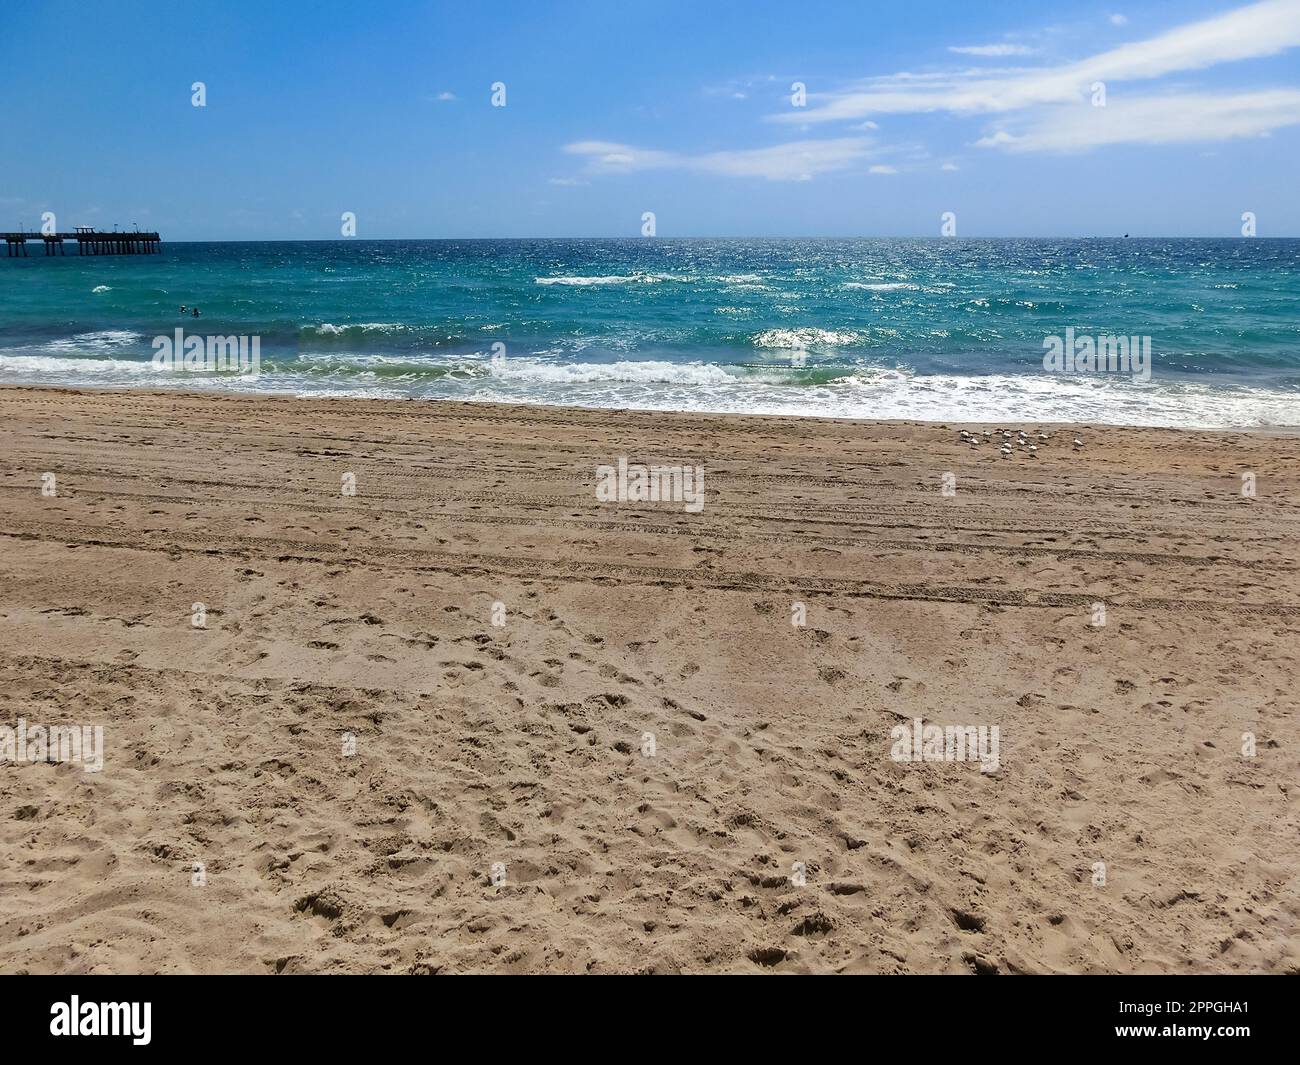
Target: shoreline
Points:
(955, 423)
(472, 718)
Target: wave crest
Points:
(584, 281)
(806, 337)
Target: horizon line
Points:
(664, 239)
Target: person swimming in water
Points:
(196, 312)
(182, 308)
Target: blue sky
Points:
(682, 108)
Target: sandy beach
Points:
(474, 719)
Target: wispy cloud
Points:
(991, 49)
(1260, 29)
(1039, 108)
(791, 161)
(1172, 119)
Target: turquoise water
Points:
(937, 329)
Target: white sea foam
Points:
(805, 337)
(357, 359)
(882, 286)
(101, 288)
(884, 393)
(862, 392)
(637, 278)
(53, 364)
(110, 336)
(742, 282)
(329, 329)
(647, 373)
(103, 338)
(101, 342)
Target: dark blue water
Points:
(942, 329)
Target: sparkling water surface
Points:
(934, 329)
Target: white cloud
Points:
(612, 157)
(1260, 29)
(445, 96)
(991, 49)
(1172, 119)
(792, 161)
(998, 139)
(1041, 108)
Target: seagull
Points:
(1033, 448)
(1078, 442)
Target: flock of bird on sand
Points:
(1004, 435)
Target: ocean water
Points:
(926, 329)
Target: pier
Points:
(89, 242)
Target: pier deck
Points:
(89, 242)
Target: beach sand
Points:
(524, 743)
